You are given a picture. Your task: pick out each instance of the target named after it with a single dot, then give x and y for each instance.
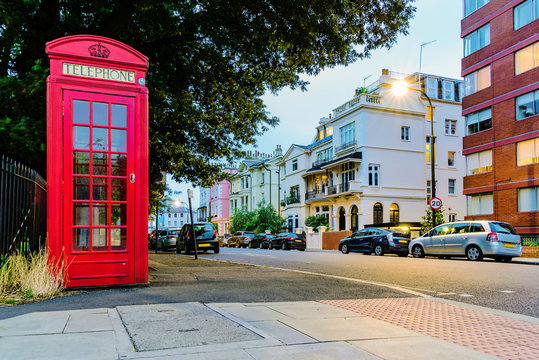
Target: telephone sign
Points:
(435, 203)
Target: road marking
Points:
(466, 295)
(508, 291)
(390, 286)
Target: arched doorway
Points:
(394, 213)
(342, 220)
(354, 219)
(378, 213)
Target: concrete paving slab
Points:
(286, 303)
(313, 311)
(157, 327)
(254, 313)
(319, 351)
(357, 328)
(283, 333)
(418, 348)
(214, 355)
(80, 346)
(34, 324)
(88, 321)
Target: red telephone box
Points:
(97, 161)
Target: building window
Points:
(427, 149)
(480, 204)
(429, 190)
(528, 152)
(394, 213)
(450, 127)
(430, 112)
(479, 162)
(525, 13)
(348, 134)
(347, 172)
(374, 175)
(528, 199)
(477, 40)
(527, 58)
(263, 175)
(471, 5)
(432, 88)
(175, 222)
(329, 131)
(478, 121)
(448, 90)
(181, 215)
(294, 164)
(175, 215)
(478, 80)
(324, 155)
(378, 213)
(169, 223)
(450, 158)
(451, 186)
(527, 105)
(405, 133)
(247, 183)
(452, 217)
(169, 215)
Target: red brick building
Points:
(501, 107)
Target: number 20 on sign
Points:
(435, 203)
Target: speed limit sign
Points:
(435, 203)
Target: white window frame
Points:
(533, 6)
(484, 201)
(476, 40)
(294, 164)
(533, 50)
(348, 133)
(448, 90)
(432, 88)
(405, 133)
(449, 158)
(479, 117)
(528, 199)
(534, 159)
(483, 162)
(374, 175)
(473, 80)
(476, 4)
(451, 186)
(534, 111)
(452, 128)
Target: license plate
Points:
(203, 245)
(298, 241)
(509, 245)
(403, 241)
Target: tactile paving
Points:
(492, 334)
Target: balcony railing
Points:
(345, 145)
(362, 99)
(320, 162)
(316, 194)
(338, 189)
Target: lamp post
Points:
(190, 195)
(400, 88)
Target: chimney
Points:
(278, 151)
(385, 72)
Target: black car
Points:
(377, 241)
(287, 241)
(261, 241)
(206, 238)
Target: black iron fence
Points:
(23, 202)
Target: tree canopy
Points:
(210, 63)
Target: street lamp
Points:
(400, 88)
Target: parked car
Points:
(241, 239)
(206, 238)
(167, 239)
(473, 239)
(377, 241)
(261, 241)
(152, 239)
(287, 241)
(223, 240)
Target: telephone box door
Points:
(99, 187)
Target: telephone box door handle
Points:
(132, 178)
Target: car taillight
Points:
(290, 238)
(492, 236)
(215, 234)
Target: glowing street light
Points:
(400, 88)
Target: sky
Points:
(299, 111)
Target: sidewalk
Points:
(392, 328)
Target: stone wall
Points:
(530, 251)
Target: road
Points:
(505, 286)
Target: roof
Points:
(319, 142)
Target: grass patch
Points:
(30, 278)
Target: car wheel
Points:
(378, 250)
(473, 253)
(417, 251)
(216, 250)
(345, 249)
(283, 246)
(261, 246)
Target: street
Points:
(504, 286)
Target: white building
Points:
(202, 211)
(369, 163)
(256, 182)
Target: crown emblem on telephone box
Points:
(99, 50)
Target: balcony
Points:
(345, 146)
(314, 195)
(320, 162)
(348, 187)
(360, 100)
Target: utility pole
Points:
(190, 195)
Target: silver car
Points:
(473, 239)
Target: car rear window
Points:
(205, 227)
(502, 228)
(249, 234)
(399, 234)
